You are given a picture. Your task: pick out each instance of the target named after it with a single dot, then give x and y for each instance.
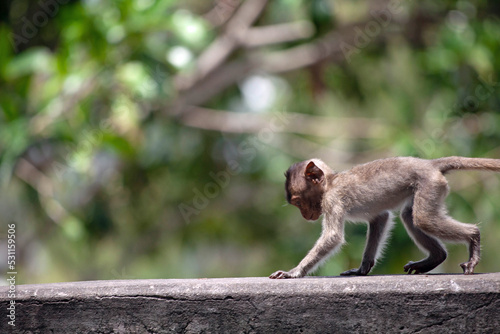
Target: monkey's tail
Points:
(456, 163)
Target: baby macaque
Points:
(368, 193)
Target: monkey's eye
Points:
(297, 203)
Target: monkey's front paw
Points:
(284, 274)
(279, 275)
(363, 270)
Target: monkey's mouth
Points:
(313, 216)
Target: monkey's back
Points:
(362, 187)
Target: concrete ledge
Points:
(373, 304)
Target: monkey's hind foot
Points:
(468, 267)
(419, 267)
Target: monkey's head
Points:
(305, 185)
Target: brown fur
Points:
(369, 192)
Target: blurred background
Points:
(148, 138)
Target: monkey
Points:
(370, 193)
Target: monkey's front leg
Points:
(377, 235)
(325, 246)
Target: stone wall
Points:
(372, 304)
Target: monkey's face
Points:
(304, 188)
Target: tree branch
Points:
(221, 12)
(277, 33)
(328, 47)
(318, 126)
(214, 74)
(220, 49)
(44, 187)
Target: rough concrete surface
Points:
(372, 304)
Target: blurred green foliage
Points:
(103, 181)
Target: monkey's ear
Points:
(313, 173)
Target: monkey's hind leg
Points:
(474, 252)
(429, 215)
(436, 250)
(455, 231)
